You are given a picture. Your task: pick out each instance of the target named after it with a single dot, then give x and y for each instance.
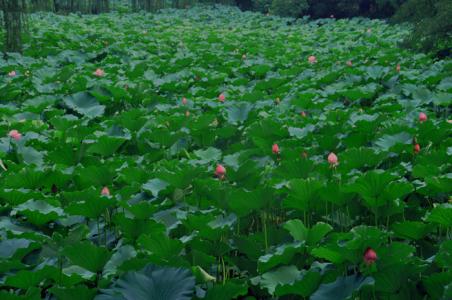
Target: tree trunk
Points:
(13, 20)
(41, 5)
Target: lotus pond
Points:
(217, 154)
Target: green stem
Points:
(264, 224)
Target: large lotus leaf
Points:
(365, 236)
(88, 203)
(243, 202)
(297, 230)
(279, 256)
(342, 288)
(238, 112)
(31, 294)
(229, 290)
(27, 278)
(440, 184)
(371, 186)
(131, 228)
(305, 286)
(441, 214)
(26, 178)
(152, 283)
(39, 212)
(94, 176)
(85, 104)
(311, 236)
(335, 256)
(298, 168)
(10, 248)
(209, 155)
(121, 255)
(78, 292)
(356, 158)
(155, 186)
(387, 142)
(335, 193)
(301, 133)
(281, 276)
(444, 256)
(87, 255)
(106, 145)
(302, 194)
(30, 155)
(436, 283)
(161, 247)
(411, 229)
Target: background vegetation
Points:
(431, 19)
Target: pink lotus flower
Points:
(220, 171)
(303, 114)
(14, 134)
(312, 59)
(184, 101)
(275, 149)
(416, 148)
(422, 117)
(332, 159)
(370, 256)
(398, 68)
(99, 73)
(12, 74)
(105, 191)
(221, 97)
(349, 63)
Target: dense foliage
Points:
(432, 22)
(217, 154)
(326, 8)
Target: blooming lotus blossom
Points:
(105, 191)
(398, 68)
(312, 59)
(275, 149)
(416, 148)
(370, 256)
(220, 171)
(184, 101)
(422, 117)
(14, 134)
(332, 159)
(303, 114)
(349, 63)
(221, 97)
(99, 73)
(12, 74)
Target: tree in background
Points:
(147, 5)
(82, 6)
(432, 20)
(14, 22)
(289, 8)
(41, 5)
